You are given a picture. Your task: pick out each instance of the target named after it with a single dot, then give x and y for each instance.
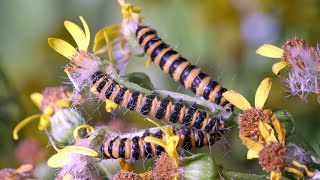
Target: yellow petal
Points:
(251, 145)
(62, 47)
(48, 111)
(154, 140)
(77, 34)
(267, 132)
(294, 171)
(155, 123)
(79, 150)
(124, 165)
(63, 103)
(67, 177)
(23, 123)
(308, 172)
(44, 123)
(89, 130)
(277, 67)
(36, 99)
(275, 175)
(59, 160)
(100, 42)
(109, 47)
(263, 92)
(252, 154)
(270, 51)
(279, 129)
(237, 99)
(87, 32)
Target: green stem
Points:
(242, 176)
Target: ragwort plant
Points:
(101, 153)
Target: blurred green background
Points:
(219, 36)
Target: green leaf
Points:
(286, 120)
(140, 79)
(200, 166)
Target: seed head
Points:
(273, 157)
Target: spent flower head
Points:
(303, 62)
(273, 155)
(118, 41)
(54, 103)
(248, 119)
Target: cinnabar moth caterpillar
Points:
(189, 75)
(161, 109)
(136, 148)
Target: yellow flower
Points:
(169, 144)
(63, 156)
(129, 12)
(248, 120)
(81, 38)
(273, 154)
(272, 51)
(48, 108)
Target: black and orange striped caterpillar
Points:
(189, 75)
(161, 109)
(136, 148)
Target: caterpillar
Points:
(160, 109)
(189, 75)
(136, 148)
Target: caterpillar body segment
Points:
(159, 108)
(180, 69)
(136, 148)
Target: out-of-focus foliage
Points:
(219, 36)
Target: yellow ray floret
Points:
(269, 50)
(263, 92)
(82, 39)
(237, 99)
(63, 156)
(277, 67)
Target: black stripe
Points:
(150, 43)
(187, 138)
(159, 149)
(207, 90)
(165, 57)
(185, 73)
(151, 31)
(197, 81)
(109, 90)
(110, 147)
(189, 114)
(218, 96)
(175, 111)
(212, 122)
(102, 84)
(102, 151)
(133, 100)
(162, 108)
(140, 27)
(119, 96)
(122, 149)
(147, 103)
(212, 139)
(198, 133)
(135, 148)
(157, 50)
(176, 64)
(147, 146)
(96, 76)
(201, 116)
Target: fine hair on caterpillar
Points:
(159, 108)
(135, 147)
(180, 69)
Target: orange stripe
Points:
(142, 32)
